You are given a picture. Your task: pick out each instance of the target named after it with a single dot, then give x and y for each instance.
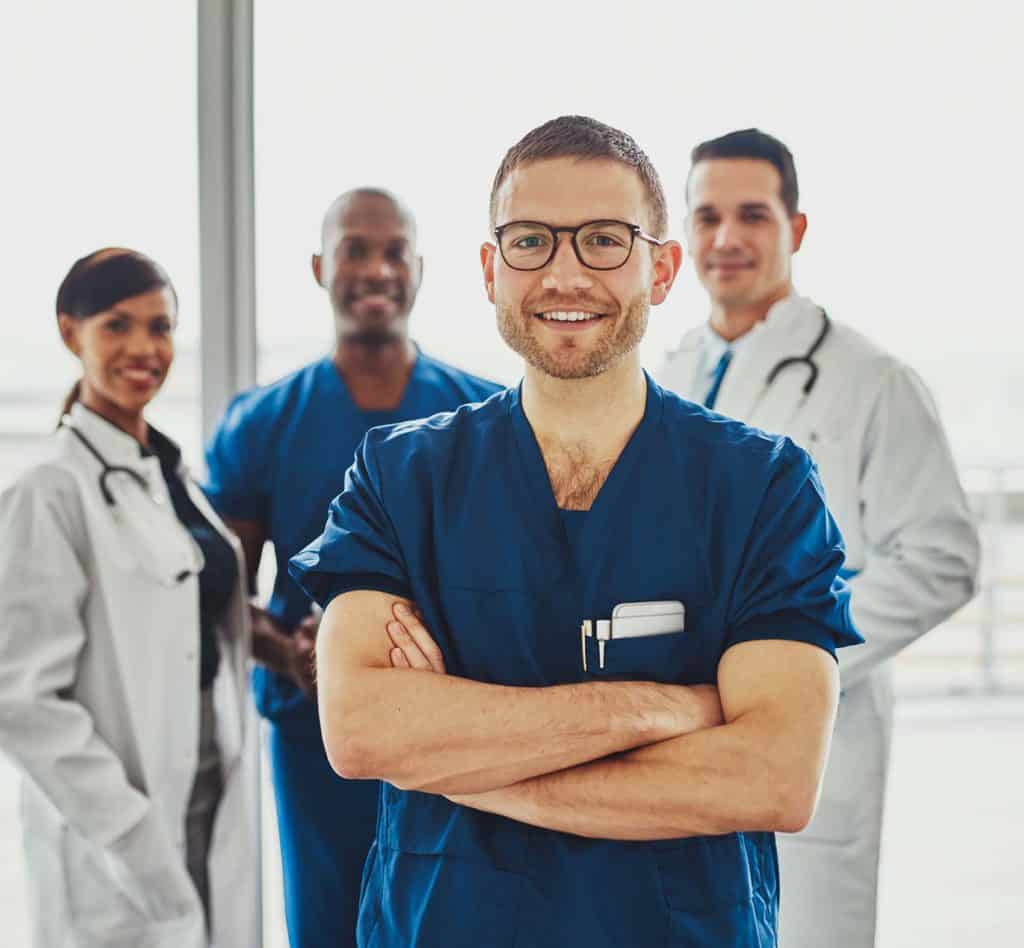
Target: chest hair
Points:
(576, 475)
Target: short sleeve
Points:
(236, 463)
(359, 546)
(788, 586)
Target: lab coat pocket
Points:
(95, 900)
(660, 658)
(838, 467)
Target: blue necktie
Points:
(716, 382)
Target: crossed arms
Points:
(615, 760)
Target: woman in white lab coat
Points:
(123, 652)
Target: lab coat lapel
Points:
(788, 331)
(678, 373)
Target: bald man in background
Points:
(275, 463)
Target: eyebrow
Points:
(745, 206)
(127, 315)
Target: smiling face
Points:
(126, 352)
(739, 232)
(566, 320)
(369, 268)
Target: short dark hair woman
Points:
(123, 651)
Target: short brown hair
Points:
(753, 143)
(586, 139)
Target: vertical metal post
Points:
(227, 241)
(227, 261)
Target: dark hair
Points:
(753, 143)
(577, 136)
(102, 279)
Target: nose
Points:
(379, 267)
(140, 343)
(564, 272)
(726, 235)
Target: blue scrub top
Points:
(279, 456)
(457, 512)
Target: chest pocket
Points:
(645, 641)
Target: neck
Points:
(600, 412)
(382, 361)
(733, 321)
(128, 421)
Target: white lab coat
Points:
(891, 484)
(99, 706)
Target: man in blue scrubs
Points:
(634, 601)
(275, 464)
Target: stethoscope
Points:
(175, 574)
(108, 468)
(806, 359)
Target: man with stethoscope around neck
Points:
(776, 360)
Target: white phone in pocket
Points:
(633, 620)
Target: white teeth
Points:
(567, 317)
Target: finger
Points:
(401, 639)
(398, 659)
(421, 636)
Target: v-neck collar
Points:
(546, 520)
(401, 410)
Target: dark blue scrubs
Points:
(279, 457)
(457, 512)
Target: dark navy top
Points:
(279, 456)
(457, 512)
(219, 575)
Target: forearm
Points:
(444, 734)
(270, 641)
(718, 780)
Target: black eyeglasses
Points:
(599, 245)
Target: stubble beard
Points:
(568, 361)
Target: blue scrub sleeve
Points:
(236, 463)
(359, 547)
(788, 585)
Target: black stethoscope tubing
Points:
(806, 359)
(108, 468)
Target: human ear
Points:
(487, 257)
(798, 226)
(317, 261)
(668, 259)
(68, 326)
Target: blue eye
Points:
(531, 242)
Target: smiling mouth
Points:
(140, 375)
(569, 316)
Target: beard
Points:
(571, 358)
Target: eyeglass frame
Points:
(635, 230)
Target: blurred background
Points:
(211, 135)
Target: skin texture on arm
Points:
(761, 770)
(443, 734)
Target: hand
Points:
(411, 644)
(302, 667)
(290, 655)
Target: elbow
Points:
(352, 748)
(793, 808)
(350, 756)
